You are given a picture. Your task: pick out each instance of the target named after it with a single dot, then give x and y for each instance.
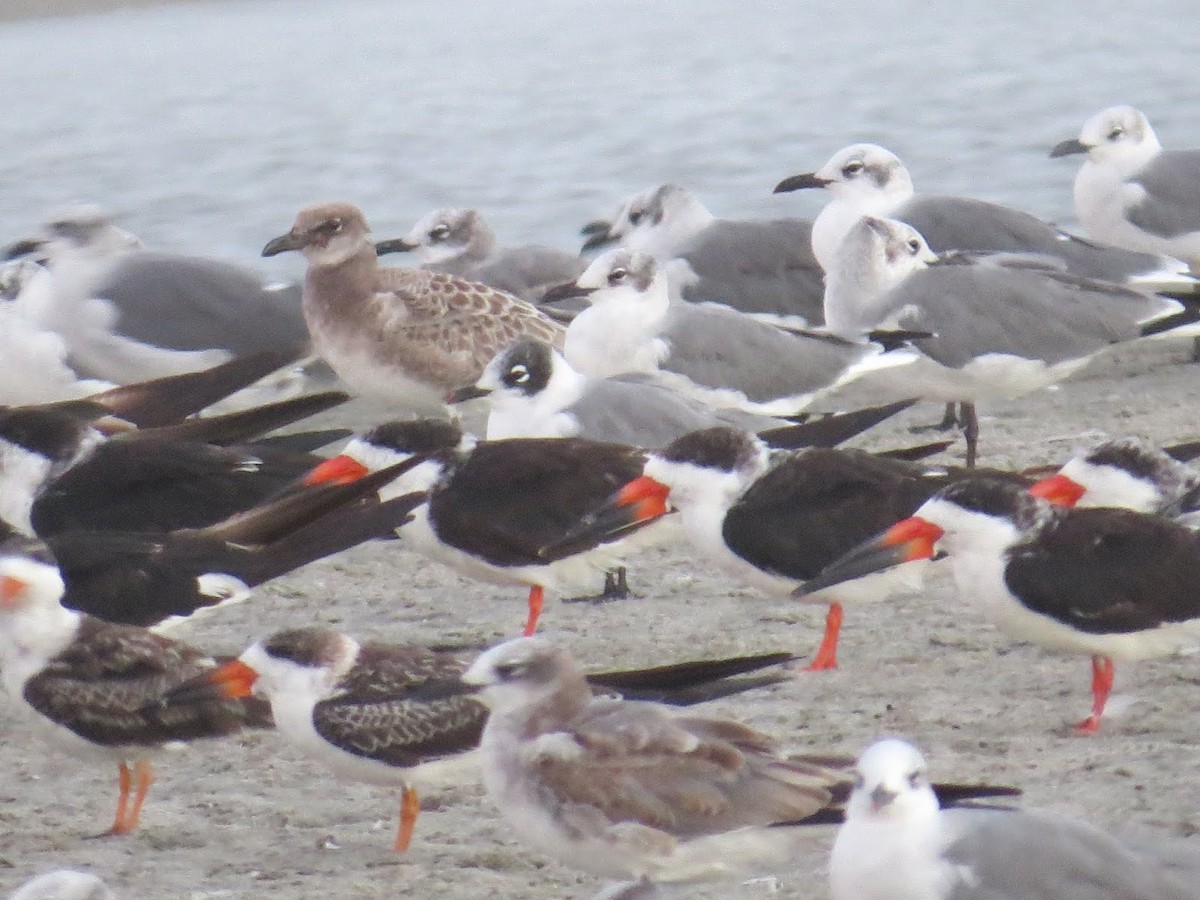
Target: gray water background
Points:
(206, 126)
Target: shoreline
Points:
(31, 10)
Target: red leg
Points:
(1102, 682)
(144, 773)
(125, 782)
(536, 597)
(826, 657)
(410, 806)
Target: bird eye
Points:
(507, 670)
(636, 216)
(914, 779)
(519, 374)
(852, 169)
(335, 225)
(616, 275)
(914, 246)
(439, 231)
(857, 782)
(1116, 133)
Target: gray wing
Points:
(528, 271)
(639, 411)
(963, 223)
(191, 303)
(1023, 856)
(718, 347)
(758, 267)
(984, 307)
(1171, 206)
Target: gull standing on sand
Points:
(765, 267)
(460, 242)
(397, 334)
(633, 790)
(867, 180)
(897, 844)
(1132, 193)
(988, 326)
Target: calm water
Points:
(207, 126)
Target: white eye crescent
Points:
(519, 374)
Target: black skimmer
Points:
(633, 790)
(89, 681)
(987, 327)
(898, 842)
(777, 519)
(637, 323)
(399, 714)
(407, 335)
(158, 579)
(1111, 583)
(764, 267)
(1129, 473)
(127, 313)
(460, 242)
(867, 180)
(494, 507)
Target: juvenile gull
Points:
(764, 267)
(896, 844)
(994, 326)
(128, 314)
(637, 322)
(632, 790)
(1132, 193)
(867, 180)
(460, 242)
(401, 335)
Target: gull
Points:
(85, 683)
(1110, 583)
(128, 314)
(65, 884)
(400, 335)
(764, 267)
(1132, 193)
(867, 180)
(636, 322)
(460, 242)
(987, 326)
(897, 844)
(633, 790)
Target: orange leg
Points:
(1102, 682)
(826, 657)
(410, 807)
(144, 773)
(536, 596)
(125, 782)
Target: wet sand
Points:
(247, 817)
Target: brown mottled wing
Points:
(633, 762)
(104, 687)
(402, 706)
(467, 320)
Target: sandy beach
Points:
(247, 817)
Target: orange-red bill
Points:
(647, 497)
(915, 535)
(337, 470)
(11, 590)
(914, 538)
(1059, 490)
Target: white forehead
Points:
(890, 757)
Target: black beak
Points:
(560, 292)
(600, 238)
(800, 182)
(463, 394)
(283, 243)
(395, 245)
(1068, 148)
(26, 247)
(914, 538)
(594, 227)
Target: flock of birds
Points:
(662, 390)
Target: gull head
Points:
(327, 235)
(446, 234)
(625, 219)
(876, 255)
(871, 178)
(891, 784)
(523, 672)
(1119, 136)
(672, 216)
(620, 274)
(84, 229)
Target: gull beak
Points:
(1059, 490)
(801, 182)
(914, 538)
(594, 227)
(25, 247)
(598, 238)
(339, 469)
(470, 392)
(881, 797)
(639, 502)
(11, 590)
(1068, 148)
(568, 291)
(283, 243)
(229, 681)
(395, 245)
